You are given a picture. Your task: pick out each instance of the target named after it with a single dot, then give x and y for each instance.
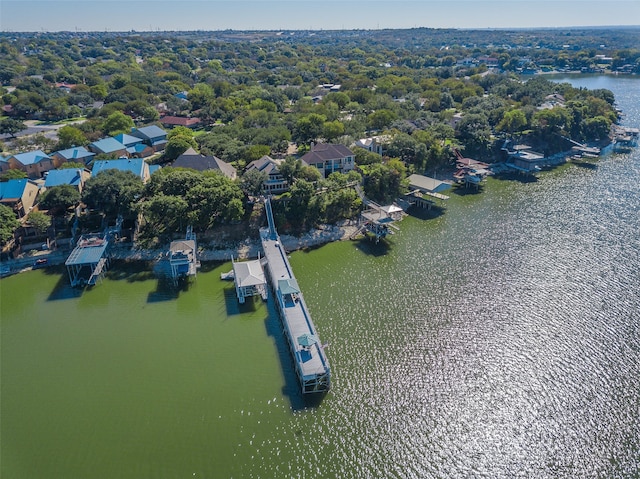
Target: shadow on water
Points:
(369, 246)
(461, 190)
(585, 164)
(513, 176)
(63, 289)
(166, 290)
(234, 307)
(291, 389)
(131, 272)
(427, 214)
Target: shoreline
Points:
(245, 249)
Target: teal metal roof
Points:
(12, 189)
(108, 145)
(127, 140)
(77, 153)
(69, 176)
(31, 157)
(134, 165)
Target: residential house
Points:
(374, 144)
(135, 165)
(196, 161)
(189, 122)
(128, 140)
(108, 146)
(4, 164)
(329, 158)
(76, 154)
(19, 195)
(33, 163)
(70, 176)
(275, 182)
(152, 135)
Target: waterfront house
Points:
(33, 163)
(108, 146)
(77, 154)
(196, 161)
(275, 182)
(19, 195)
(69, 176)
(152, 135)
(329, 158)
(135, 165)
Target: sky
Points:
(152, 15)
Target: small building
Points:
(329, 158)
(135, 165)
(197, 161)
(20, 195)
(77, 154)
(249, 279)
(108, 146)
(151, 135)
(69, 176)
(275, 182)
(171, 121)
(33, 163)
(140, 150)
(4, 164)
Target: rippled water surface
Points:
(499, 340)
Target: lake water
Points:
(500, 340)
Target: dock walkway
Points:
(311, 364)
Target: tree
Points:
(381, 119)
(11, 127)
(332, 130)
(8, 224)
(165, 213)
(70, 136)
(177, 146)
(71, 165)
(512, 121)
(59, 198)
(13, 174)
(113, 192)
(309, 128)
(39, 221)
(252, 181)
(117, 122)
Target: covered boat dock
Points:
(88, 262)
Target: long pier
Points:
(311, 364)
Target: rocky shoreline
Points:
(245, 249)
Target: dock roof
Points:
(88, 251)
(427, 184)
(249, 273)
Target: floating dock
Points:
(311, 364)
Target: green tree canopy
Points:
(59, 198)
(117, 122)
(70, 136)
(8, 224)
(11, 127)
(113, 192)
(39, 221)
(13, 174)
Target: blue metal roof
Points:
(154, 168)
(134, 165)
(76, 153)
(139, 148)
(149, 132)
(12, 189)
(127, 140)
(69, 176)
(108, 145)
(31, 157)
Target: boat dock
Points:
(88, 262)
(311, 364)
(183, 258)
